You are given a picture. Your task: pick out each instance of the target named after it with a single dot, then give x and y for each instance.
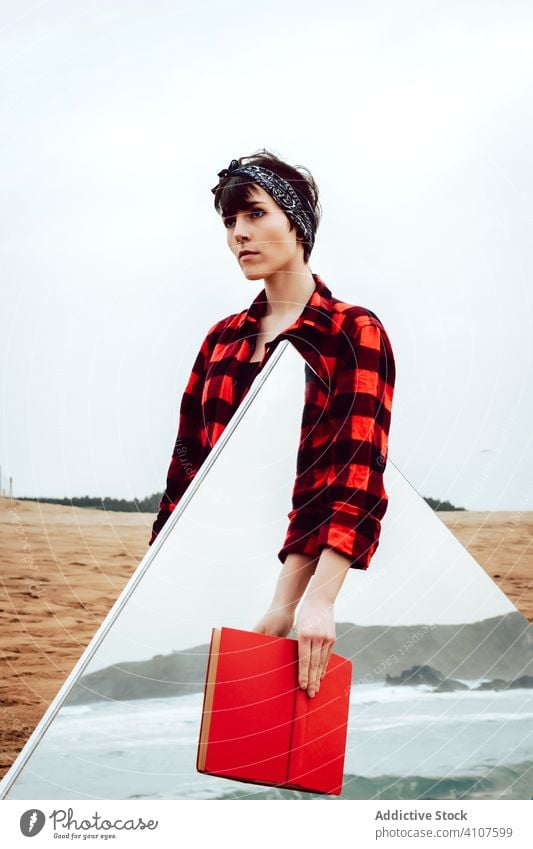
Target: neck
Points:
(288, 292)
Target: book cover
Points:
(259, 726)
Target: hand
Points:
(315, 630)
(277, 622)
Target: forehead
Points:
(259, 195)
(256, 194)
(243, 197)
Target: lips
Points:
(247, 253)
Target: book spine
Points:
(296, 759)
(209, 691)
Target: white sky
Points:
(416, 120)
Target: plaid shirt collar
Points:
(317, 312)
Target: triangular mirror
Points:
(430, 635)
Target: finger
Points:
(323, 660)
(314, 659)
(329, 652)
(304, 646)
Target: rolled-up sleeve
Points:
(339, 497)
(360, 415)
(189, 448)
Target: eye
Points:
(230, 220)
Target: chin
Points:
(252, 274)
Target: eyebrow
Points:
(250, 206)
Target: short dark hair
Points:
(235, 192)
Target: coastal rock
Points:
(416, 675)
(450, 685)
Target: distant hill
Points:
(497, 647)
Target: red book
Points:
(259, 726)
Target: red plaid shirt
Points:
(338, 498)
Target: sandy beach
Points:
(63, 568)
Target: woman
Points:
(271, 213)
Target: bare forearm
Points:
(329, 575)
(293, 579)
(324, 578)
(315, 627)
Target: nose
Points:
(241, 229)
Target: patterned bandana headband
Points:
(282, 192)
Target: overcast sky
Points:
(415, 119)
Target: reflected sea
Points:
(403, 743)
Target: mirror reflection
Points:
(430, 635)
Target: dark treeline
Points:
(150, 504)
(441, 505)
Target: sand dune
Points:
(63, 567)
